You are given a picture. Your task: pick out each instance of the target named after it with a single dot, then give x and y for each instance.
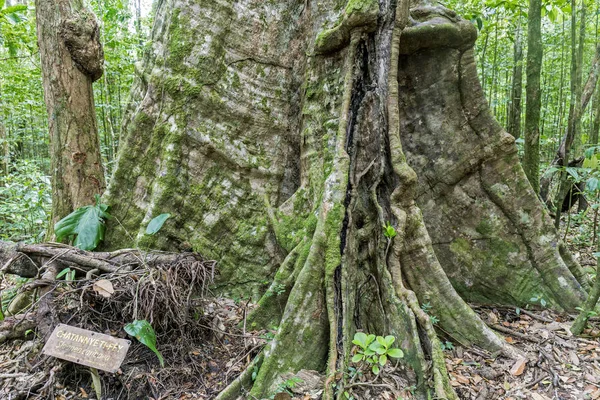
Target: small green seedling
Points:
(374, 351)
(447, 345)
(142, 331)
(389, 231)
(540, 299)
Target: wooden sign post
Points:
(88, 348)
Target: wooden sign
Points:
(87, 348)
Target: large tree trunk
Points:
(282, 157)
(72, 58)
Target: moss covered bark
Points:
(281, 157)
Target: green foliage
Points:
(96, 382)
(374, 351)
(156, 223)
(68, 273)
(427, 308)
(590, 313)
(539, 299)
(85, 225)
(9, 17)
(447, 345)
(25, 198)
(389, 231)
(143, 331)
(287, 386)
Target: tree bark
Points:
(283, 156)
(514, 111)
(72, 58)
(531, 158)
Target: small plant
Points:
(447, 345)
(389, 231)
(287, 386)
(426, 307)
(374, 351)
(590, 313)
(142, 331)
(277, 290)
(68, 273)
(538, 299)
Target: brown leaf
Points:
(104, 288)
(518, 367)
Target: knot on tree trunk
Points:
(81, 35)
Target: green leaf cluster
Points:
(374, 351)
(85, 225)
(389, 231)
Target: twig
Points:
(535, 316)
(535, 382)
(503, 329)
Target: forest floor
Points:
(206, 351)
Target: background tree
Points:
(514, 108)
(72, 58)
(531, 158)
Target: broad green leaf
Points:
(389, 340)
(375, 369)
(360, 339)
(592, 184)
(86, 224)
(357, 358)
(142, 331)
(156, 223)
(573, 172)
(382, 360)
(370, 339)
(395, 353)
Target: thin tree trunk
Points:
(596, 120)
(577, 105)
(492, 98)
(5, 149)
(514, 111)
(531, 158)
(483, 53)
(72, 58)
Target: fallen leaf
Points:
(518, 367)
(104, 288)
